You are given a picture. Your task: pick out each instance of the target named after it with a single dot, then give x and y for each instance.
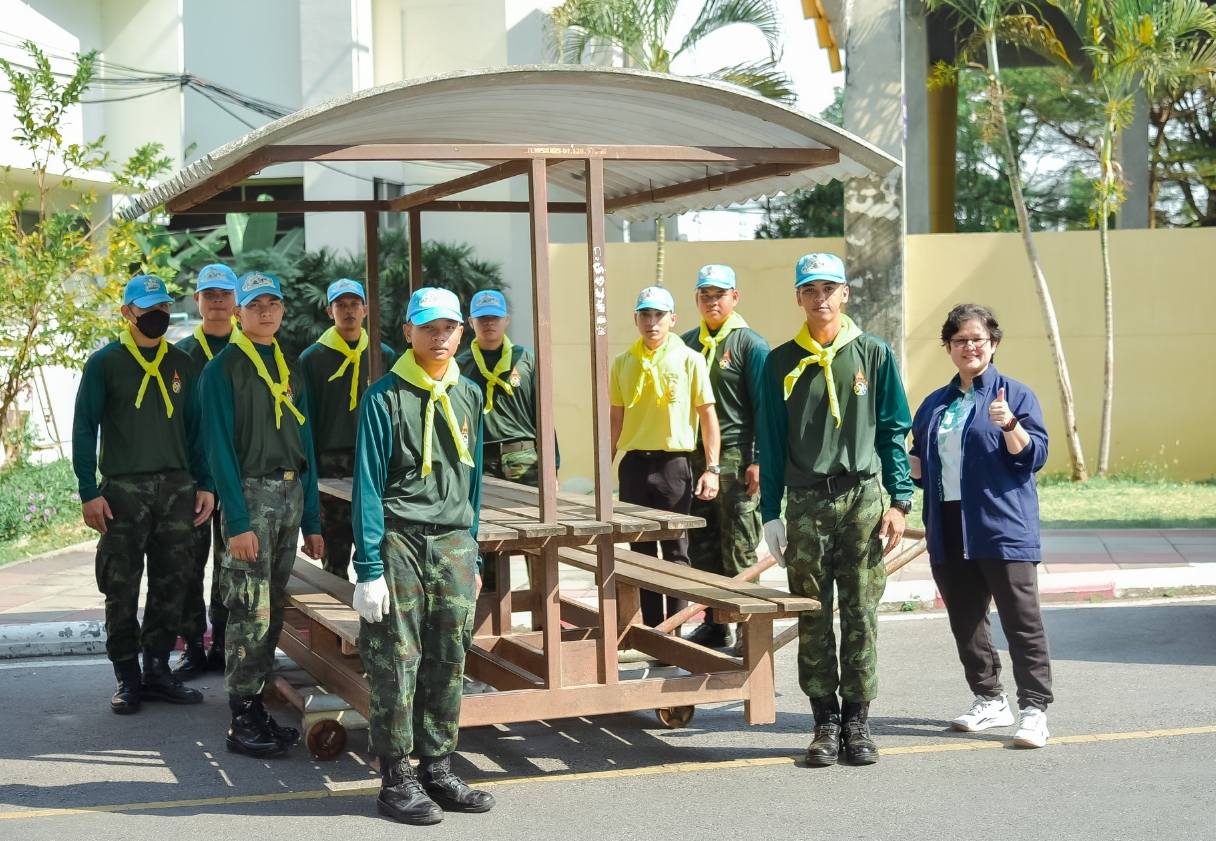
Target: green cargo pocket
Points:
(451, 630)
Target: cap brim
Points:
(497, 312)
(829, 277)
(721, 284)
(434, 313)
(215, 284)
(145, 301)
(265, 290)
(641, 307)
(348, 292)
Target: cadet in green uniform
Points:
(260, 449)
(834, 417)
(215, 294)
(417, 492)
(141, 393)
(735, 356)
(336, 373)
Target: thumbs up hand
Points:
(998, 411)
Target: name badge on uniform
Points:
(860, 386)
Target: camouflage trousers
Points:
(255, 593)
(520, 466)
(414, 656)
(727, 544)
(336, 529)
(208, 547)
(834, 541)
(153, 517)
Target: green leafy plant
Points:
(35, 498)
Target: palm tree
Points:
(1011, 21)
(641, 30)
(1160, 46)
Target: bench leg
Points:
(761, 704)
(502, 611)
(628, 610)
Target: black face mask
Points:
(153, 323)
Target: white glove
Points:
(774, 537)
(371, 599)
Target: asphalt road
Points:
(1125, 670)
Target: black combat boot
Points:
(160, 684)
(248, 734)
(448, 790)
(858, 746)
(126, 694)
(401, 795)
(824, 749)
(711, 635)
(283, 735)
(193, 661)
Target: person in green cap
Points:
(735, 356)
(260, 447)
(416, 498)
(834, 422)
(140, 393)
(215, 294)
(336, 374)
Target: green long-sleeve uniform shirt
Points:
(334, 422)
(735, 373)
(241, 438)
(513, 417)
(191, 346)
(388, 478)
(143, 440)
(800, 444)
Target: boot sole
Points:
(820, 762)
(458, 807)
(148, 696)
(863, 760)
(125, 710)
(236, 747)
(421, 820)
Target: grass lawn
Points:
(47, 540)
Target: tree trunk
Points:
(660, 241)
(1047, 308)
(1108, 300)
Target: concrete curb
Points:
(54, 553)
(43, 639)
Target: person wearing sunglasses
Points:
(977, 444)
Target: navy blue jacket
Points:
(999, 500)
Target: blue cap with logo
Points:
(430, 303)
(253, 284)
(145, 291)
(216, 276)
(488, 302)
(820, 266)
(717, 275)
(345, 286)
(655, 298)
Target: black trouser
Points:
(967, 587)
(664, 481)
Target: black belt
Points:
(414, 527)
(659, 454)
(837, 485)
(282, 476)
(494, 450)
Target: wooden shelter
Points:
(626, 142)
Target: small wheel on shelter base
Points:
(673, 718)
(326, 740)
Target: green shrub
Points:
(36, 497)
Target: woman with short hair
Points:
(976, 446)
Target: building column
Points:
(918, 167)
(873, 207)
(1135, 158)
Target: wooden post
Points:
(415, 251)
(542, 313)
(597, 290)
(371, 228)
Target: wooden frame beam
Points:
(218, 208)
(502, 151)
(464, 183)
(702, 185)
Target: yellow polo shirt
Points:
(670, 423)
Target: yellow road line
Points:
(673, 768)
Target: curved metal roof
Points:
(565, 104)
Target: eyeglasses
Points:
(959, 344)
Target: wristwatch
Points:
(1012, 425)
(715, 469)
(904, 505)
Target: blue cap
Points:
(253, 284)
(216, 276)
(820, 266)
(345, 286)
(430, 303)
(655, 298)
(488, 302)
(717, 275)
(145, 291)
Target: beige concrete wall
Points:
(1165, 300)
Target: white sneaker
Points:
(1032, 729)
(985, 713)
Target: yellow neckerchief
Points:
(494, 378)
(202, 339)
(151, 369)
(280, 391)
(709, 344)
(331, 339)
(649, 360)
(823, 357)
(410, 371)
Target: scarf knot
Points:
(332, 340)
(151, 369)
(710, 342)
(280, 391)
(494, 378)
(823, 357)
(408, 369)
(650, 361)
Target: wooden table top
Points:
(510, 518)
